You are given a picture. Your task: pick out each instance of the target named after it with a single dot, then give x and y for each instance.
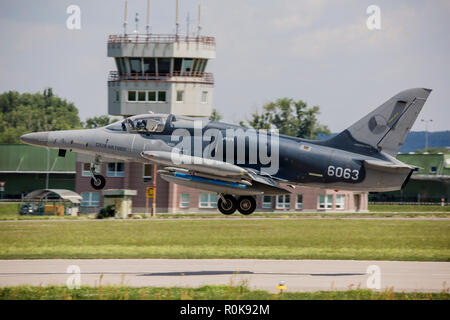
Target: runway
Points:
(299, 275)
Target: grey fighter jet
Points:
(239, 163)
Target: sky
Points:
(319, 51)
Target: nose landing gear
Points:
(227, 204)
(97, 180)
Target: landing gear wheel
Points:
(228, 206)
(246, 205)
(98, 183)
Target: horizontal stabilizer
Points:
(387, 166)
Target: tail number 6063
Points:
(345, 173)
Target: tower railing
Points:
(160, 38)
(187, 76)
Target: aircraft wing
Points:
(212, 175)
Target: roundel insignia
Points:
(377, 124)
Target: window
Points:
(177, 65)
(204, 96)
(135, 65)
(283, 202)
(325, 201)
(299, 204)
(433, 169)
(202, 67)
(184, 200)
(141, 95)
(147, 172)
(187, 65)
(86, 169)
(340, 201)
(131, 95)
(152, 96)
(115, 169)
(163, 66)
(149, 65)
(208, 200)
(161, 96)
(120, 66)
(447, 163)
(90, 199)
(117, 95)
(180, 94)
(267, 202)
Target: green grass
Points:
(407, 208)
(427, 240)
(220, 292)
(9, 209)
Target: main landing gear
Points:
(97, 180)
(227, 204)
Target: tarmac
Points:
(298, 275)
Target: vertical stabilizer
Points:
(387, 126)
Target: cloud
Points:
(355, 38)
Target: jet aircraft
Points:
(240, 163)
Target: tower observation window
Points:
(177, 65)
(149, 65)
(135, 65)
(120, 65)
(203, 65)
(163, 66)
(187, 65)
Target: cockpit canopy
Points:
(154, 123)
(141, 123)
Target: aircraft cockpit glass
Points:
(144, 124)
(116, 126)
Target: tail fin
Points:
(387, 126)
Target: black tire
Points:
(246, 205)
(228, 206)
(100, 184)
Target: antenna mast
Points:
(199, 27)
(187, 26)
(125, 19)
(177, 25)
(147, 27)
(136, 19)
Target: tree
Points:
(215, 115)
(290, 117)
(100, 121)
(32, 112)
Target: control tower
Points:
(162, 73)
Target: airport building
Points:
(168, 74)
(430, 182)
(25, 168)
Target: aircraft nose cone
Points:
(35, 138)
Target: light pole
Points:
(426, 131)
